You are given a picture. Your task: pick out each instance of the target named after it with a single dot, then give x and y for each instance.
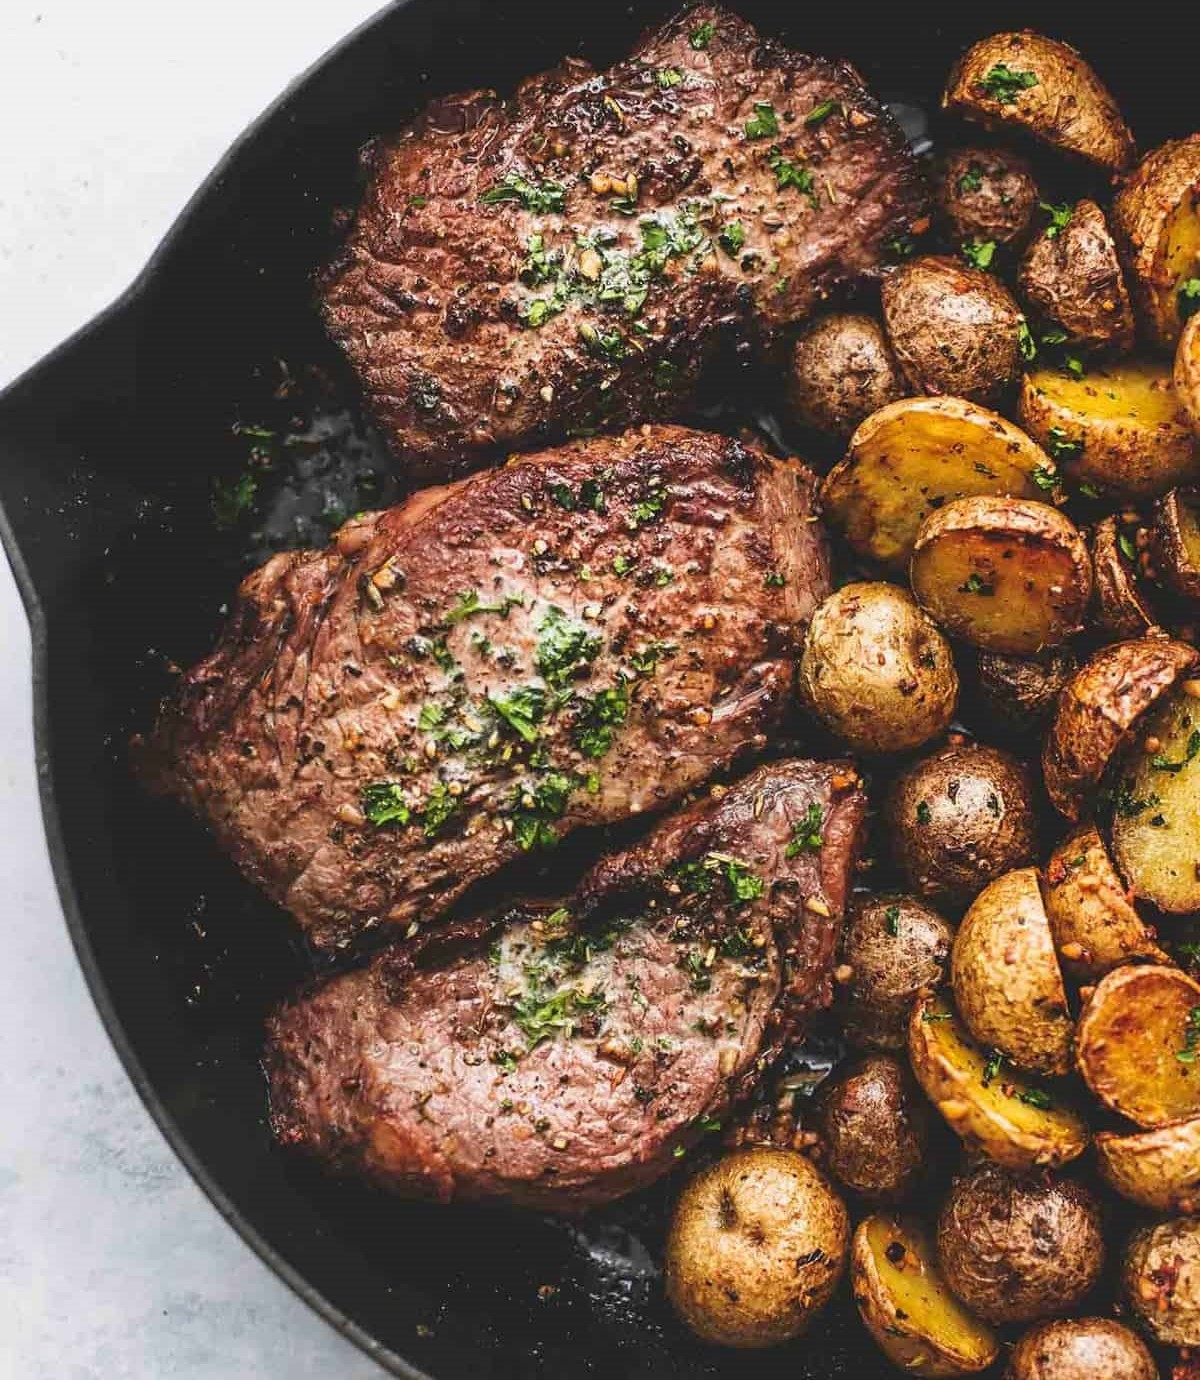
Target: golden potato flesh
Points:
(1138, 1044)
(914, 455)
(905, 1305)
(1158, 1169)
(1187, 368)
(756, 1248)
(1005, 574)
(1007, 983)
(1161, 1279)
(1119, 428)
(1081, 1349)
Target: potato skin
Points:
(842, 370)
(1020, 692)
(874, 1127)
(1164, 184)
(1068, 107)
(740, 1229)
(986, 194)
(1007, 984)
(1017, 1249)
(1073, 279)
(954, 329)
(959, 818)
(1161, 1280)
(1177, 540)
(1081, 1349)
(1096, 709)
(876, 671)
(1158, 1169)
(1120, 610)
(1007, 574)
(1187, 371)
(894, 945)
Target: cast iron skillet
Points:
(108, 451)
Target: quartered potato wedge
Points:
(1177, 540)
(906, 1306)
(1158, 1169)
(993, 1109)
(1119, 607)
(1187, 368)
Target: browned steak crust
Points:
(572, 258)
(566, 641)
(573, 1060)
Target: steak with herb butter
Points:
(566, 641)
(573, 258)
(582, 1052)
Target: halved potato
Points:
(905, 1305)
(1006, 574)
(1158, 1169)
(914, 455)
(1119, 427)
(1120, 609)
(1007, 983)
(1156, 805)
(1187, 369)
(1097, 707)
(996, 1110)
(1095, 927)
(1138, 1043)
(1177, 540)
(1156, 219)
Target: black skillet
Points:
(108, 453)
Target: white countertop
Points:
(113, 1264)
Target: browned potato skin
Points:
(1000, 209)
(1132, 1027)
(1069, 108)
(1030, 561)
(1017, 1249)
(1081, 1349)
(1098, 706)
(1161, 1279)
(873, 1126)
(954, 329)
(980, 823)
(1176, 551)
(1074, 280)
(1187, 370)
(1095, 926)
(842, 370)
(1158, 1169)
(894, 946)
(1120, 610)
(1140, 210)
(1021, 692)
(740, 1230)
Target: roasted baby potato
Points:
(954, 329)
(893, 946)
(873, 1126)
(1119, 428)
(842, 370)
(1020, 692)
(1158, 1169)
(986, 196)
(1098, 706)
(1187, 366)
(914, 455)
(1095, 928)
(1120, 610)
(1015, 1249)
(1043, 88)
(993, 1109)
(903, 1301)
(1156, 220)
(1081, 1349)
(1156, 805)
(1177, 541)
(756, 1247)
(1161, 1279)
(1007, 983)
(1138, 1043)
(876, 671)
(1006, 574)
(1072, 278)
(959, 818)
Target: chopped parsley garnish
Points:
(806, 836)
(231, 501)
(991, 1070)
(701, 35)
(667, 77)
(522, 710)
(439, 807)
(564, 648)
(891, 920)
(540, 1018)
(651, 503)
(1128, 805)
(1044, 477)
(1061, 446)
(1187, 300)
(1060, 218)
(732, 237)
(1036, 1097)
(598, 716)
(820, 113)
(976, 584)
(789, 174)
(537, 267)
(697, 877)
(763, 123)
(971, 180)
(1025, 341)
(774, 580)
(623, 563)
(590, 495)
(535, 804)
(1089, 490)
(608, 345)
(1161, 763)
(980, 253)
(1191, 1038)
(432, 716)
(644, 660)
(1128, 550)
(382, 803)
(924, 814)
(533, 196)
(538, 310)
(1003, 82)
(900, 246)
(469, 604)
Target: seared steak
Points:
(573, 1060)
(572, 258)
(566, 641)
